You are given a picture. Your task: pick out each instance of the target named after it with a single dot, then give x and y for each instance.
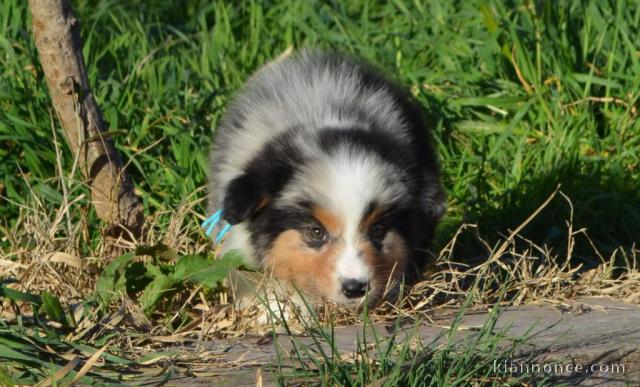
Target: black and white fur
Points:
(326, 171)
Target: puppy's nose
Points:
(353, 288)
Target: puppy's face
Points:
(324, 253)
(340, 217)
(338, 228)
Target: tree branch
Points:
(57, 37)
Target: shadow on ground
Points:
(603, 204)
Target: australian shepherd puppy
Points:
(325, 170)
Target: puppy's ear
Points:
(243, 198)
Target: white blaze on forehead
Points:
(345, 182)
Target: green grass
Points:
(522, 96)
(403, 359)
(33, 353)
(163, 73)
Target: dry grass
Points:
(507, 131)
(47, 254)
(51, 250)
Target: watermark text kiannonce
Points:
(513, 367)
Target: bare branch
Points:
(57, 37)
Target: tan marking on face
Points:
(371, 219)
(387, 265)
(311, 270)
(330, 222)
(263, 203)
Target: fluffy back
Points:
(311, 91)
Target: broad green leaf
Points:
(204, 271)
(137, 277)
(112, 279)
(159, 286)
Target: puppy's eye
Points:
(377, 233)
(315, 235)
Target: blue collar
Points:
(211, 222)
